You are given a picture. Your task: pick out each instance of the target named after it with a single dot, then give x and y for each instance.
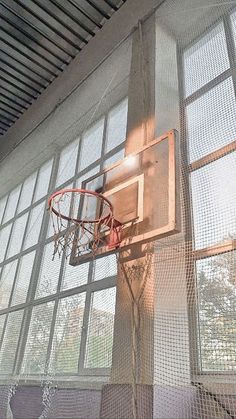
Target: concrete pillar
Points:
(173, 393)
(131, 391)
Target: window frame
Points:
(90, 286)
(226, 246)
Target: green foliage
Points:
(217, 311)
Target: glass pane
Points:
(86, 176)
(23, 279)
(2, 321)
(75, 276)
(12, 204)
(91, 145)
(205, 60)
(2, 207)
(4, 236)
(10, 341)
(217, 321)
(27, 192)
(105, 267)
(43, 180)
(214, 202)
(17, 235)
(49, 274)
(113, 159)
(116, 125)
(37, 343)
(34, 225)
(67, 335)
(100, 330)
(6, 283)
(211, 120)
(67, 163)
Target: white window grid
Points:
(228, 22)
(91, 285)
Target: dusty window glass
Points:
(23, 279)
(49, 272)
(205, 60)
(17, 235)
(34, 225)
(67, 163)
(2, 207)
(214, 202)
(37, 342)
(74, 276)
(4, 237)
(10, 342)
(27, 192)
(105, 267)
(6, 283)
(43, 180)
(116, 125)
(12, 204)
(89, 153)
(100, 330)
(211, 120)
(67, 334)
(217, 322)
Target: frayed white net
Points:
(81, 220)
(154, 337)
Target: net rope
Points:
(177, 305)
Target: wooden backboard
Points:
(144, 190)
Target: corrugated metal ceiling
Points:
(38, 39)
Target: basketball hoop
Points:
(82, 220)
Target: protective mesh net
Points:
(154, 336)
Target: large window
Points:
(57, 318)
(210, 108)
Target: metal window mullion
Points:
(25, 326)
(79, 150)
(187, 208)
(35, 187)
(214, 156)
(88, 169)
(51, 335)
(214, 250)
(84, 332)
(104, 141)
(18, 200)
(3, 330)
(31, 207)
(27, 313)
(19, 257)
(207, 87)
(93, 286)
(82, 369)
(43, 234)
(24, 252)
(8, 242)
(230, 48)
(85, 319)
(54, 316)
(4, 211)
(34, 276)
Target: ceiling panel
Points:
(38, 39)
